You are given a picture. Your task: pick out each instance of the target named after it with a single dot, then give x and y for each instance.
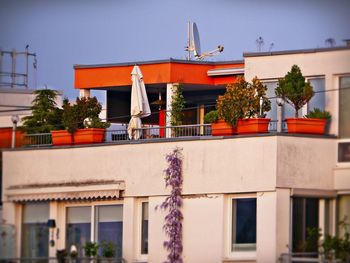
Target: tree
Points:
(294, 90)
(46, 116)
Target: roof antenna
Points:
(193, 44)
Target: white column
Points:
(170, 89)
(266, 228)
(129, 229)
(53, 215)
(273, 222)
(201, 119)
(84, 93)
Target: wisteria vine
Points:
(173, 203)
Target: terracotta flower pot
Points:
(222, 128)
(254, 125)
(61, 137)
(306, 125)
(89, 135)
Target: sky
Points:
(67, 32)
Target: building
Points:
(271, 186)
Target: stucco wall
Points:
(210, 166)
(305, 162)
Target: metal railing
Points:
(307, 257)
(144, 133)
(37, 139)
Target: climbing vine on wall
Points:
(173, 204)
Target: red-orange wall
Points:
(102, 77)
(6, 138)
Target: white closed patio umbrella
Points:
(139, 103)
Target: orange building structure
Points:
(201, 83)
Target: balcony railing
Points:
(145, 133)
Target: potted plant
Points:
(254, 106)
(45, 116)
(320, 120)
(219, 127)
(295, 91)
(63, 136)
(82, 122)
(91, 249)
(243, 106)
(108, 250)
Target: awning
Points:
(71, 193)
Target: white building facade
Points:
(246, 198)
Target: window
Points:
(319, 99)
(343, 152)
(271, 86)
(343, 214)
(78, 227)
(144, 228)
(243, 236)
(305, 216)
(97, 223)
(35, 233)
(344, 107)
(109, 226)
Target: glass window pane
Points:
(343, 214)
(109, 226)
(35, 233)
(344, 152)
(78, 227)
(319, 99)
(244, 224)
(144, 229)
(271, 86)
(344, 107)
(305, 215)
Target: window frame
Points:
(91, 204)
(140, 201)
(342, 164)
(237, 255)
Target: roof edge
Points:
(296, 51)
(161, 61)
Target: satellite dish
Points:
(196, 42)
(195, 46)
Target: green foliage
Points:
(312, 236)
(319, 114)
(90, 249)
(242, 100)
(294, 90)
(177, 106)
(84, 108)
(108, 249)
(338, 247)
(46, 116)
(211, 116)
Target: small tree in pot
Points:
(295, 91)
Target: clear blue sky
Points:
(68, 32)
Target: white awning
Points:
(65, 193)
(225, 71)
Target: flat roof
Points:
(161, 61)
(298, 51)
(106, 76)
